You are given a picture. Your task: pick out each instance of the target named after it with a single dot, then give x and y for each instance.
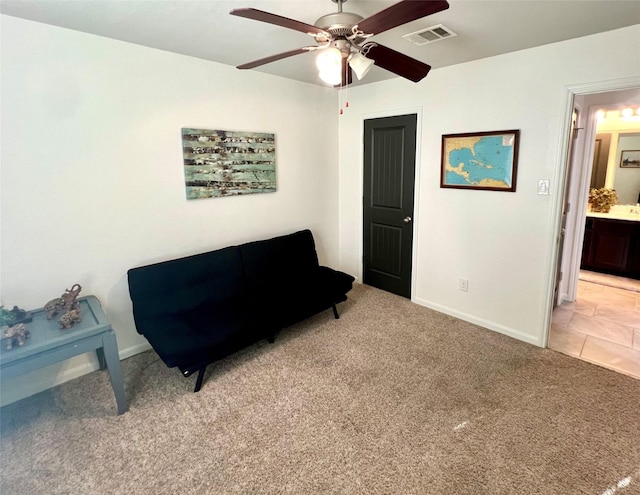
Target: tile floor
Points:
(602, 326)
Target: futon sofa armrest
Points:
(335, 282)
(290, 301)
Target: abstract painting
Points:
(228, 163)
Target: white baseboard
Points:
(38, 381)
(133, 350)
(496, 327)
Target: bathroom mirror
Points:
(626, 181)
(612, 138)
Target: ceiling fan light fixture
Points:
(331, 77)
(340, 33)
(329, 63)
(329, 59)
(360, 64)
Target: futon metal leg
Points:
(335, 312)
(199, 379)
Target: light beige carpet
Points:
(393, 398)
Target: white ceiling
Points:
(204, 29)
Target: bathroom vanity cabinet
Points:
(612, 246)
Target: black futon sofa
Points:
(198, 309)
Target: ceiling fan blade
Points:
(279, 56)
(398, 63)
(347, 74)
(260, 15)
(401, 13)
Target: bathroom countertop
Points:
(616, 215)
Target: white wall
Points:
(503, 243)
(92, 174)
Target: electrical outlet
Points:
(463, 285)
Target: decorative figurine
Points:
(16, 334)
(14, 316)
(66, 301)
(53, 307)
(70, 296)
(6, 317)
(20, 315)
(70, 317)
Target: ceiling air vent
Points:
(429, 35)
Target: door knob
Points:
(407, 219)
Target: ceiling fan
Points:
(342, 40)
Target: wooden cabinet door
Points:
(612, 250)
(587, 246)
(610, 245)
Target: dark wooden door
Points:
(389, 174)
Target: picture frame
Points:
(630, 159)
(480, 160)
(219, 163)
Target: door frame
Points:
(416, 187)
(579, 200)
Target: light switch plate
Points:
(543, 187)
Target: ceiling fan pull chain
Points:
(346, 93)
(344, 87)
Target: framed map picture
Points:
(480, 160)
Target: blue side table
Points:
(50, 344)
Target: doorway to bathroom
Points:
(597, 316)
